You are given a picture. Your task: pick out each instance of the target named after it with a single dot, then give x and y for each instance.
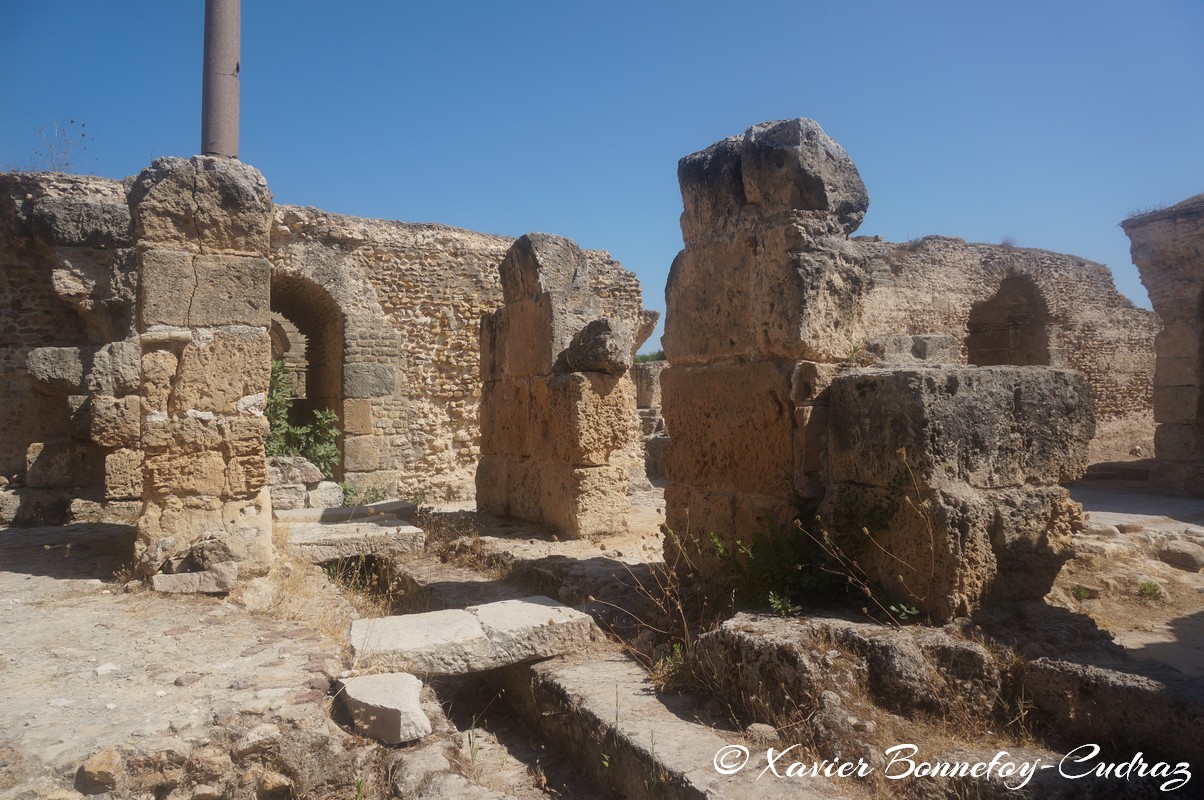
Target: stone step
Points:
(647, 747)
(382, 537)
(399, 509)
(478, 638)
(432, 585)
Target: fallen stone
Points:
(221, 578)
(1106, 531)
(58, 370)
(1182, 555)
(603, 345)
(385, 707)
(327, 494)
(447, 642)
(292, 469)
(383, 537)
(100, 773)
(1130, 527)
(256, 741)
(533, 627)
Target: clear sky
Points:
(1047, 122)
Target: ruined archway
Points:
(309, 334)
(1011, 327)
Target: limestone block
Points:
(115, 421)
(709, 308)
(530, 336)
(1179, 338)
(369, 380)
(988, 427)
(692, 514)
(101, 773)
(324, 542)
(533, 627)
(221, 367)
(327, 494)
(811, 439)
(288, 496)
(222, 578)
(656, 450)
(246, 475)
(538, 263)
(448, 642)
(123, 474)
(1177, 371)
(585, 501)
(57, 463)
(603, 345)
(731, 426)
(187, 289)
(581, 418)
(1179, 443)
(527, 482)
(1186, 480)
(81, 221)
(362, 453)
(385, 707)
(1186, 556)
(647, 378)
(115, 369)
(158, 372)
(506, 417)
(205, 204)
(79, 416)
(1177, 404)
(357, 416)
(949, 551)
(178, 473)
(292, 469)
(774, 166)
(491, 484)
(58, 371)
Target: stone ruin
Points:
(560, 442)
(1168, 249)
(942, 475)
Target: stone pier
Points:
(201, 234)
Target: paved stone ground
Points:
(170, 682)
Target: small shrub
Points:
(317, 442)
(1150, 590)
(644, 358)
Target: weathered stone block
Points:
(506, 414)
(1177, 371)
(447, 642)
(948, 551)
(538, 263)
(1177, 404)
(292, 469)
(158, 372)
(385, 707)
(204, 204)
(81, 221)
(530, 336)
(357, 417)
(988, 427)
(362, 453)
(327, 494)
(811, 437)
(585, 501)
(810, 379)
(709, 314)
(58, 463)
(115, 369)
(123, 474)
(288, 496)
(187, 289)
(174, 473)
(369, 380)
(115, 421)
(1179, 443)
(647, 378)
(58, 371)
(492, 484)
(581, 418)
(731, 426)
(603, 345)
(222, 578)
(220, 368)
(926, 348)
(533, 627)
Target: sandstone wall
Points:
(1168, 249)
(932, 285)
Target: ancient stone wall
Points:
(558, 412)
(1168, 249)
(66, 291)
(1064, 309)
(201, 234)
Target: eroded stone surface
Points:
(385, 707)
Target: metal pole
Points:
(219, 89)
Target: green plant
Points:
(644, 358)
(1080, 592)
(782, 606)
(317, 441)
(1149, 590)
(904, 611)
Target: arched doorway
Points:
(307, 335)
(1011, 327)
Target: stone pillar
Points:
(219, 88)
(763, 299)
(1168, 249)
(558, 403)
(201, 234)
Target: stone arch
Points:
(318, 320)
(1011, 327)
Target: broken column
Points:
(647, 377)
(201, 232)
(943, 481)
(768, 285)
(1168, 249)
(558, 405)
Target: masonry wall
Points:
(931, 286)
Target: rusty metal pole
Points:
(219, 90)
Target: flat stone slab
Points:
(390, 511)
(483, 637)
(385, 707)
(319, 543)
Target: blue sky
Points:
(1047, 122)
